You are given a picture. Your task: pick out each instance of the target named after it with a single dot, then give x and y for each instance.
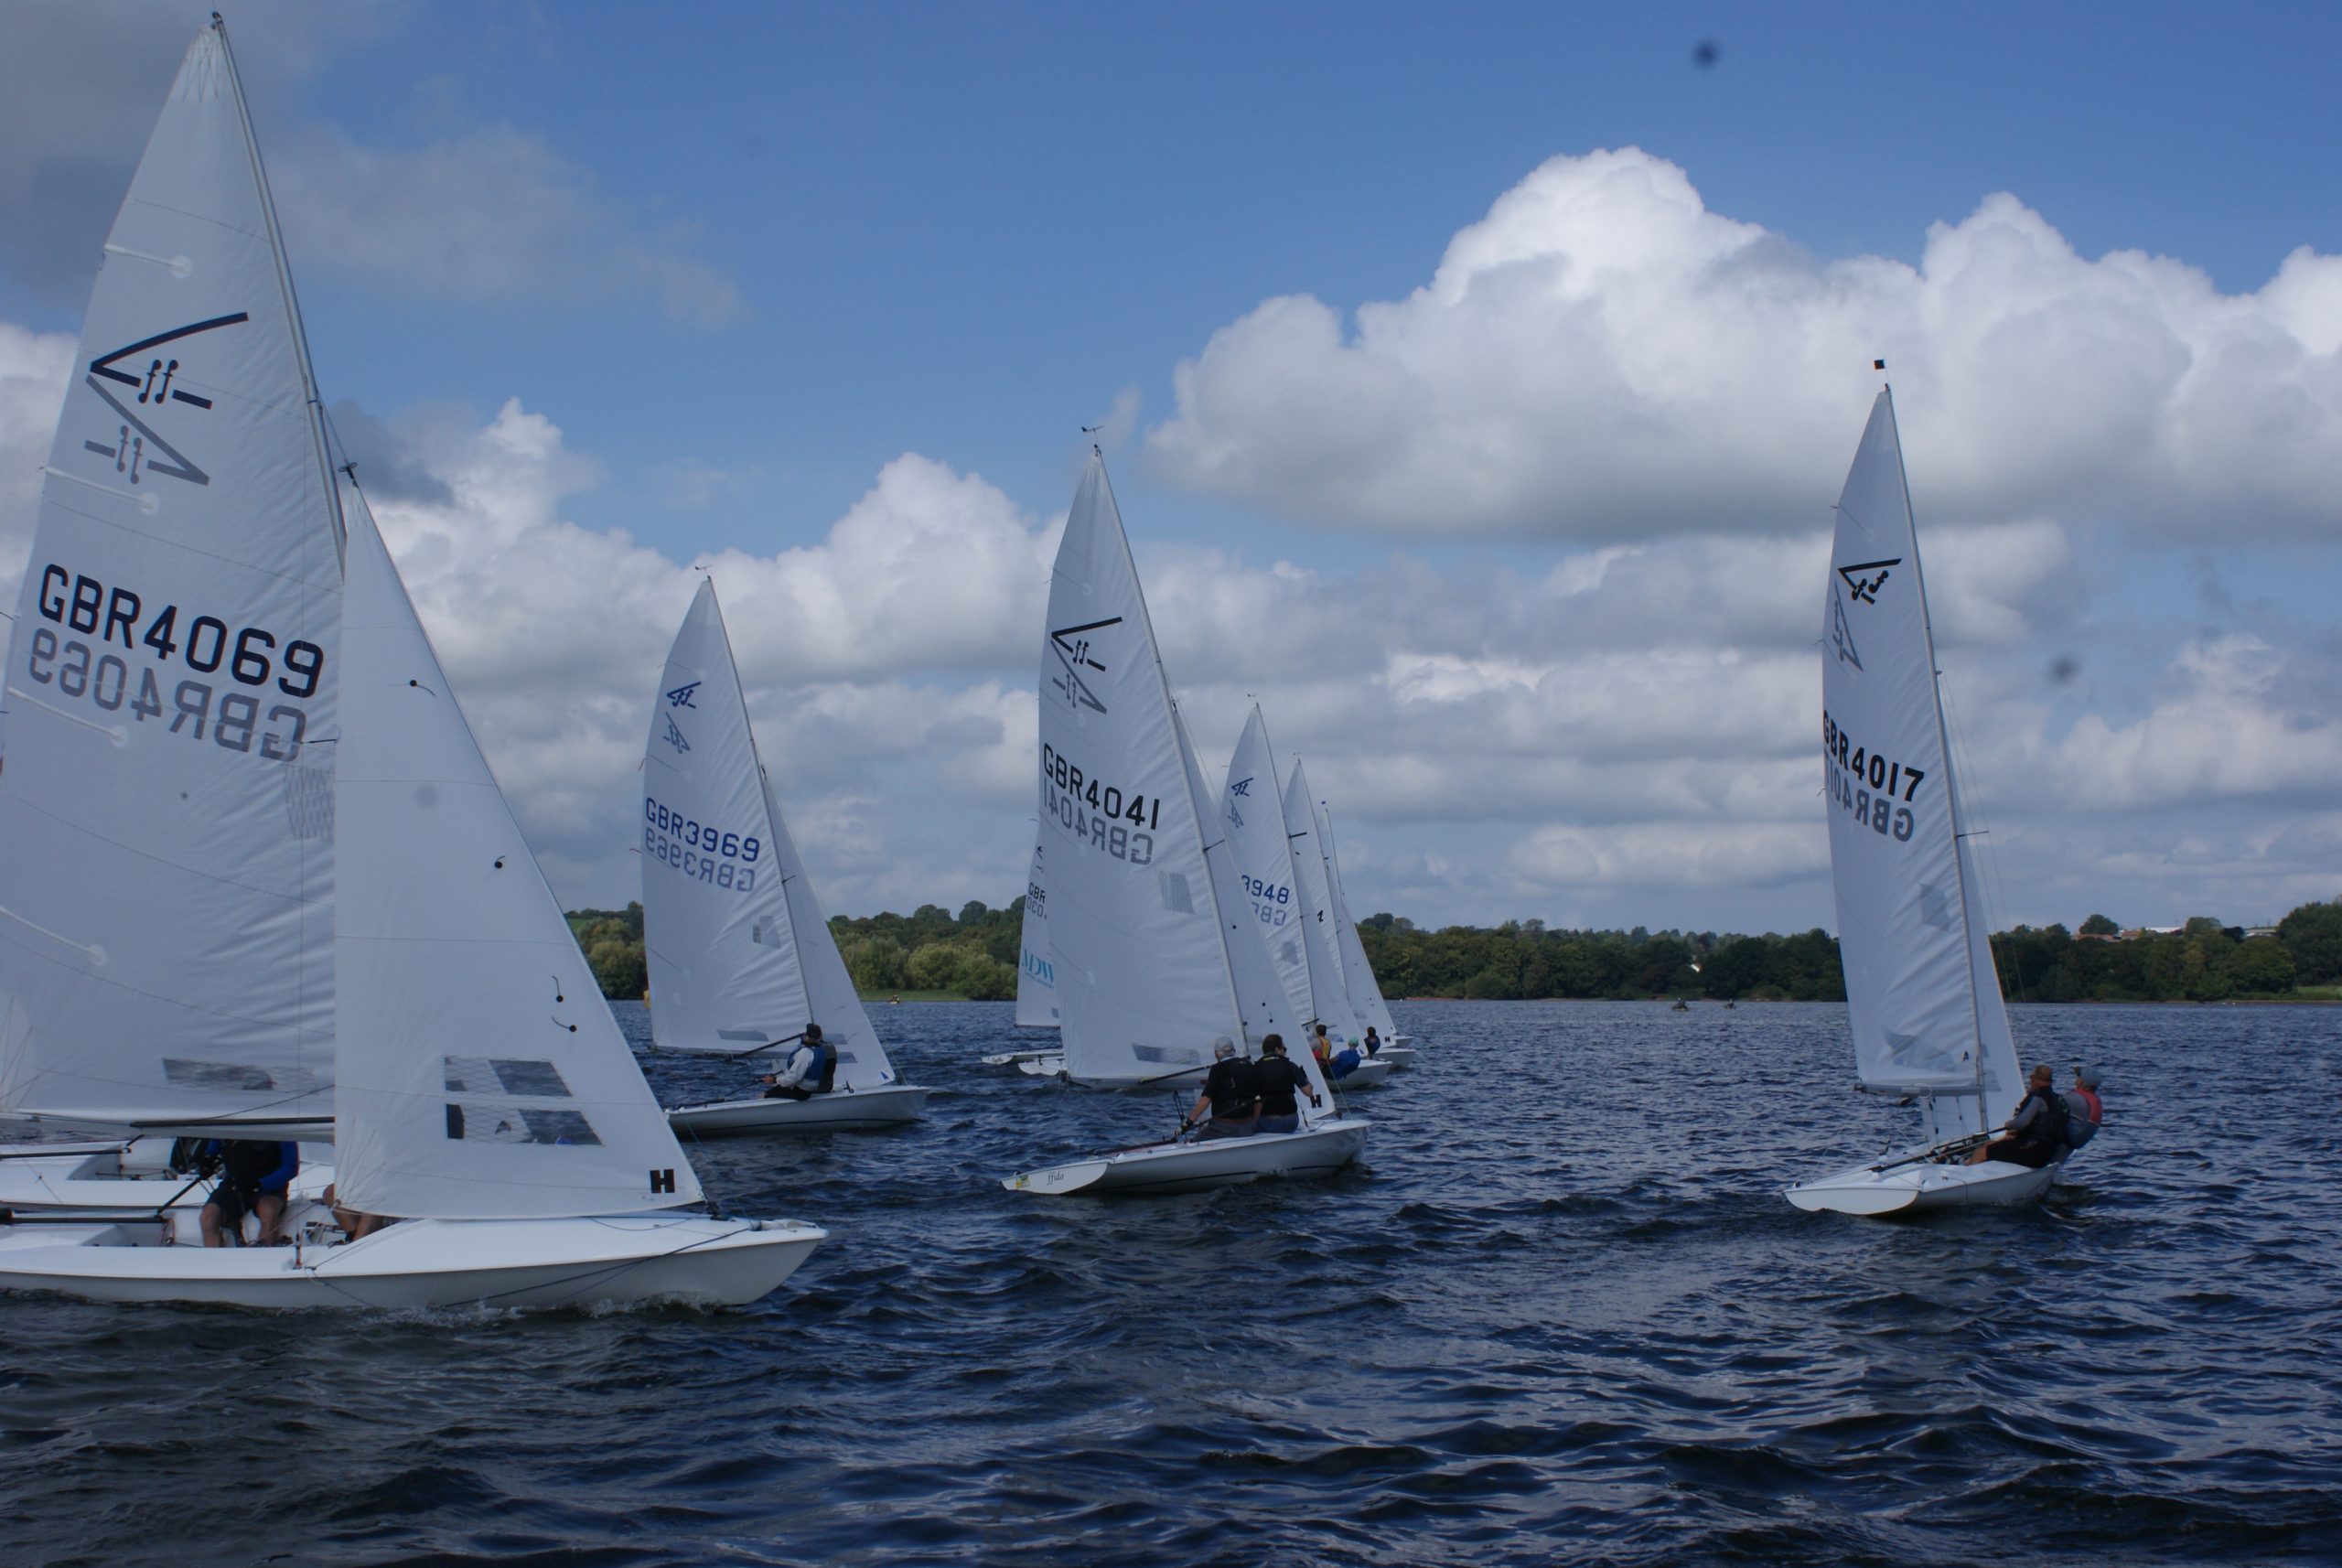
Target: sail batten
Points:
(1923, 1001)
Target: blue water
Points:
(1561, 1314)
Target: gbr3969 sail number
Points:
(1101, 815)
(1874, 788)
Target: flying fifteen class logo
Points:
(1072, 648)
(1863, 586)
(1240, 788)
(675, 737)
(139, 449)
(681, 697)
(1841, 636)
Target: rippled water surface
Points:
(1561, 1314)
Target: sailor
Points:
(253, 1177)
(2036, 1130)
(1231, 1092)
(2085, 1113)
(812, 1068)
(1343, 1062)
(1281, 1080)
(1373, 1040)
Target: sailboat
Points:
(1037, 986)
(1357, 974)
(1313, 886)
(1287, 904)
(1922, 997)
(437, 1008)
(1155, 950)
(740, 953)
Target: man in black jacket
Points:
(1282, 1082)
(1231, 1092)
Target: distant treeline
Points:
(974, 955)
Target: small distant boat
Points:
(272, 906)
(1358, 974)
(1922, 997)
(1154, 948)
(1036, 988)
(739, 949)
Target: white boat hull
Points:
(592, 1263)
(838, 1112)
(1208, 1163)
(1910, 1185)
(1398, 1056)
(1018, 1058)
(1372, 1073)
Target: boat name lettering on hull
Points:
(1095, 828)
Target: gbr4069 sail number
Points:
(1875, 788)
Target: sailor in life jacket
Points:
(2085, 1113)
(812, 1069)
(2036, 1129)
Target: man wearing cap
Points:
(2037, 1129)
(1231, 1092)
(2085, 1113)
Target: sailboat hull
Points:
(1372, 1073)
(1194, 1167)
(121, 1180)
(1018, 1058)
(841, 1111)
(592, 1263)
(1913, 1186)
(1398, 1056)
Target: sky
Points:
(1475, 381)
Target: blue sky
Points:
(740, 259)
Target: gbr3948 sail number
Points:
(1875, 788)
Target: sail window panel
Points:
(1177, 895)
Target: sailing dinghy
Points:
(1155, 950)
(437, 1007)
(740, 953)
(1037, 986)
(1329, 991)
(1358, 974)
(1922, 997)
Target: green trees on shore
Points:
(973, 954)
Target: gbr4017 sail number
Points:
(1875, 788)
(1100, 815)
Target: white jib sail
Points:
(1358, 974)
(739, 951)
(1251, 815)
(1329, 995)
(1142, 971)
(1037, 986)
(1922, 998)
(166, 920)
(481, 1075)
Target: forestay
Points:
(481, 1075)
(739, 950)
(1358, 975)
(1036, 988)
(1922, 998)
(167, 804)
(1254, 819)
(1329, 996)
(1142, 970)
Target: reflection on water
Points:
(1561, 1314)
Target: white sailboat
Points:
(1922, 998)
(739, 950)
(1315, 882)
(1155, 952)
(1037, 986)
(1358, 974)
(478, 1087)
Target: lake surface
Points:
(1561, 1314)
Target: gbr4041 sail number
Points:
(1100, 815)
(1875, 788)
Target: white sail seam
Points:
(147, 502)
(177, 266)
(114, 733)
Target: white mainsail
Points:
(167, 800)
(739, 950)
(1142, 977)
(1923, 1000)
(1329, 996)
(1037, 986)
(1358, 974)
(480, 1074)
(1254, 819)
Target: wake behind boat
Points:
(1923, 1000)
(741, 959)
